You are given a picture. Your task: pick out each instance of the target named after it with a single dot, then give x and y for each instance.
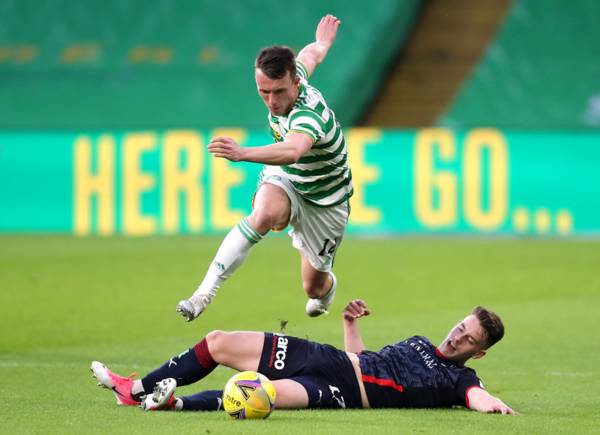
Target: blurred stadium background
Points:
(467, 119)
(468, 116)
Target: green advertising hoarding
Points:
(481, 181)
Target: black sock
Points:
(210, 400)
(187, 367)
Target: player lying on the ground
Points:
(410, 374)
(306, 181)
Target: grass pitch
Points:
(66, 301)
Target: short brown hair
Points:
(276, 61)
(491, 323)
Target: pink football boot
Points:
(120, 386)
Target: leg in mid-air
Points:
(319, 287)
(238, 350)
(317, 234)
(271, 209)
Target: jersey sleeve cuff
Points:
(311, 135)
(302, 69)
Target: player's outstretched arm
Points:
(314, 53)
(353, 311)
(482, 401)
(282, 153)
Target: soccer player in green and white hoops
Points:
(306, 181)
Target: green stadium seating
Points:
(139, 64)
(542, 71)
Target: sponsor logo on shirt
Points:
(278, 352)
(427, 358)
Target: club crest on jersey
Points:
(276, 133)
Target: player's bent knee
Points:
(215, 340)
(272, 209)
(262, 220)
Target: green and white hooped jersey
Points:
(322, 175)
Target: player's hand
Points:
(226, 148)
(355, 309)
(501, 408)
(327, 29)
(482, 401)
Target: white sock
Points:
(178, 404)
(332, 288)
(137, 387)
(234, 249)
(333, 283)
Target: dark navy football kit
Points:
(323, 370)
(409, 374)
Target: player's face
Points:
(466, 340)
(278, 94)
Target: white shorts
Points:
(316, 231)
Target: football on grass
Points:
(249, 395)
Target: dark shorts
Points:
(324, 371)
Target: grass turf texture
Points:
(66, 301)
